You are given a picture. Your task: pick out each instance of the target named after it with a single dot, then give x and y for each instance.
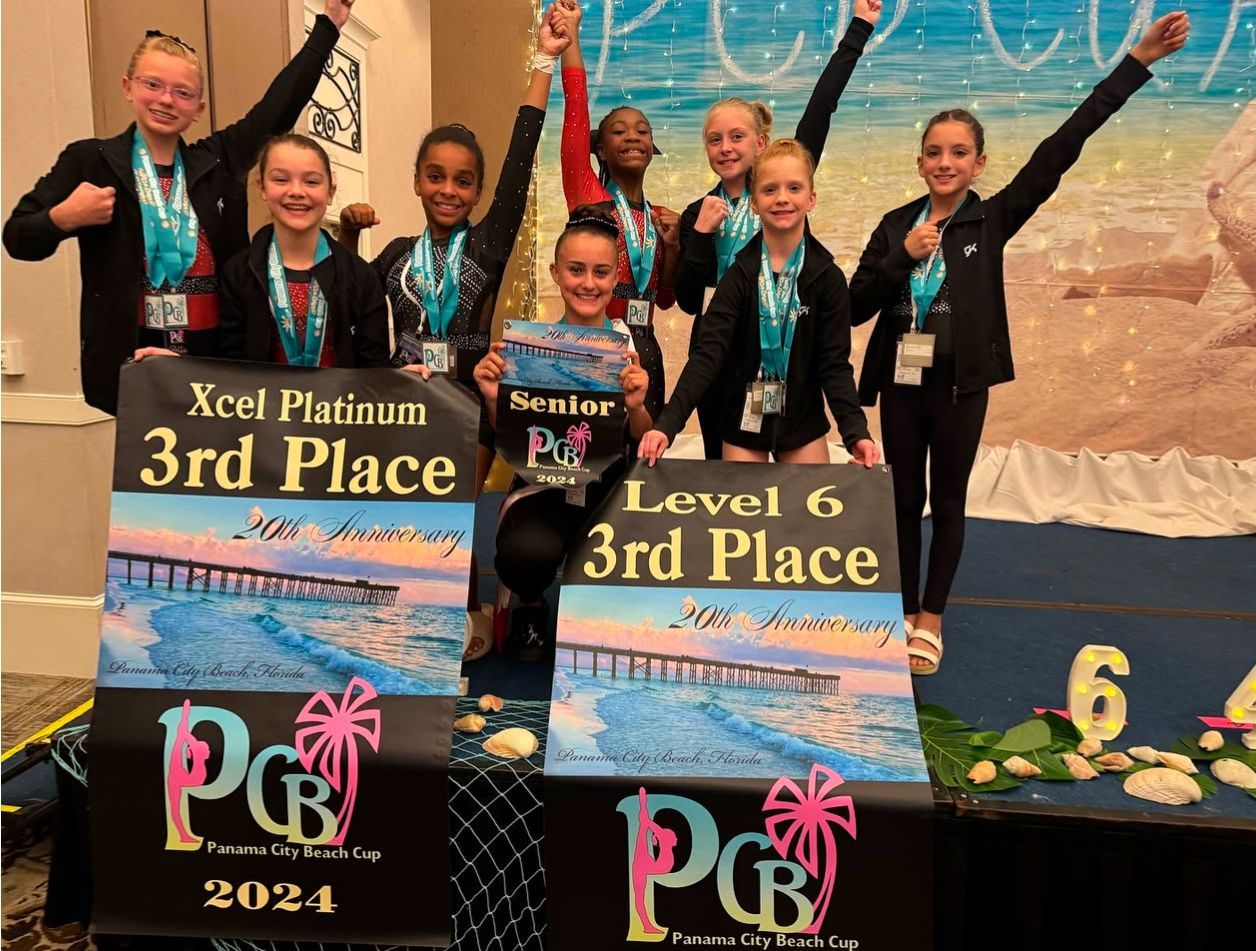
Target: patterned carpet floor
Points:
(29, 702)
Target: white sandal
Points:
(933, 660)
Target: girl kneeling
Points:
(537, 524)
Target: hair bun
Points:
(592, 216)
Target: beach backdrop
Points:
(1132, 292)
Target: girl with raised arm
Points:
(649, 239)
(442, 284)
(155, 217)
(933, 270)
(775, 342)
(715, 227)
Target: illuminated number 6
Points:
(1241, 707)
(1086, 692)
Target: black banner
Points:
(560, 406)
(281, 645)
(732, 711)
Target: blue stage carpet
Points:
(1028, 597)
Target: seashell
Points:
(512, 743)
(471, 723)
(1020, 768)
(1079, 766)
(983, 772)
(1145, 754)
(1168, 786)
(1212, 740)
(1089, 747)
(1232, 772)
(1177, 761)
(491, 702)
(1114, 762)
(1248, 739)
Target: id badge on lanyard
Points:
(916, 349)
(440, 356)
(773, 397)
(904, 374)
(166, 311)
(752, 419)
(638, 313)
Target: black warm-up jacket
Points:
(727, 357)
(357, 314)
(111, 255)
(972, 245)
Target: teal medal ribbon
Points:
(300, 353)
(169, 227)
(735, 231)
(778, 311)
(929, 274)
(440, 302)
(640, 251)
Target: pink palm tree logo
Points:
(804, 822)
(333, 742)
(580, 436)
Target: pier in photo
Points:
(536, 350)
(681, 668)
(255, 581)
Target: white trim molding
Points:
(49, 409)
(50, 633)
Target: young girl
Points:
(775, 341)
(146, 284)
(719, 224)
(649, 240)
(934, 270)
(442, 285)
(538, 524)
(295, 296)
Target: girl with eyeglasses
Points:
(156, 217)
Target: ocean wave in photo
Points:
(545, 371)
(603, 726)
(159, 638)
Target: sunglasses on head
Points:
(149, 34)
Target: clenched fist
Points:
(86, 206)
(921, 240)
(357, 216)
(712, 214)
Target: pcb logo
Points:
(324, 752)
(566, 453)
(801, 827)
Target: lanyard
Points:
(440, 302)
(778, 311)
(735, 231)
(927, 276)
(640, 253)
(169, 227)
(299, 353)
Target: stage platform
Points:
(1048, 865)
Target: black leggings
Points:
(536, 532)
(919, 422)
(710, 408)
(651, 356)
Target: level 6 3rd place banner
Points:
(281, 642)
(732, 708)
(560, 405)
